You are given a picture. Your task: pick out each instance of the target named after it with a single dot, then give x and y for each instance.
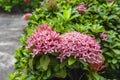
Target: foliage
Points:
(19, 5)
(101, 17)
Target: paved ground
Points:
(11, 27)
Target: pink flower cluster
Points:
(44, 40)
(71, 44)
(81, 9)
(79, 46)
(103, 36)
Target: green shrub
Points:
(101, 21)
(19, 5)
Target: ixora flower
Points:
(26, 1)
(26, 16)
(80, 46)
(110, 1)
(81, 9)
(43, 27)
(43, 41)
(103, 36)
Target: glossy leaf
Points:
(31, 63)
(44, 62)
(71, 61)
(61, 74)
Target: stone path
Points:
(11, 27)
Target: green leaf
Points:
(40, 76)
(31, 63)
(67, 14)
(30, 78)
(44, 62)
(48, 73)
(18, 53)
(109, 54)
(30, 31)
(117, 44)
(36, 17)
(61, 74)
(11, 76)
(60, 16)
(114, 61)
(112, 17)
(34, 22)
(97, 77)
(63, 64)
(112, 66)
(116, 51)
(8, 8)
(97, 28)
(56, 67)
(71, 60)
(75, 16)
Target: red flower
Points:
(26, 1)
(110, 1)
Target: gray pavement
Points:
(11, 27)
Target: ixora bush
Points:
(19, 5)
(70, 40)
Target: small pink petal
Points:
(26, 16)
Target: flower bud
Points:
(26, 1)
(81, 9)
(26, 16)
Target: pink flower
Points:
(110, 1)
(81, 9)
(26, 1)
(79, 46)
(43, 27)
(26, 16)
(103, 36)
(43, 41)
